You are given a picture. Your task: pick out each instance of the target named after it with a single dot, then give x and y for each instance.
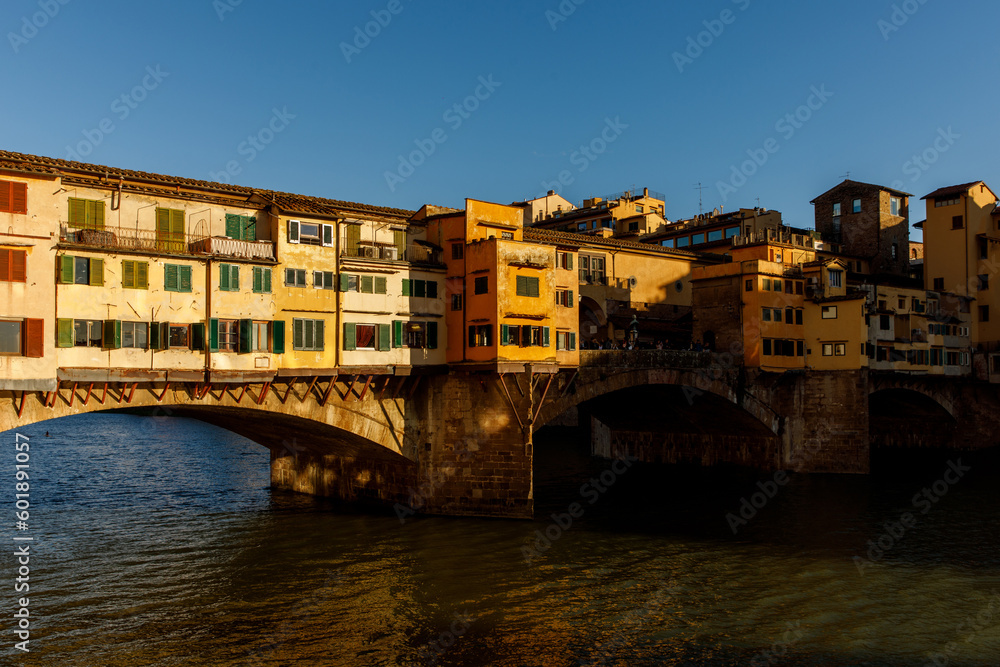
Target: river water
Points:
(158, 542)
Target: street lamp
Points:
(633, 332)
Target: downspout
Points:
(340, 295)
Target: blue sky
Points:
(628, 81)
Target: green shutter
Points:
(128, 273)
(350, 336)
(245, 333)
(278, 337)
(570, 301)
(344, 282)
(224, 277)
(234, 227)
(533, 287)
(234, 280)
(406, 285)
(397, 333)
(432, 289)
(504, 334)
(266, 278)
(383, 337)
(112, 335)
(213, 335)
(170, 277)
(250, 230)
(66, 270)
(520, 288)
(367, 285)
(569, 261)
(545, 336)
(419, 288)
(142, 275)
(96, 272)
(77, 212)
(154, 336)
(64, 333)
(572, 340)
(298, 334)
(399, 238)
(185, 279)
(95, 217)
(320, 334)
(380, 285)
(432, 335)
(198, 336)
(258, 279)
(327, 235)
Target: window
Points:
(683, 242)
(170, 230)
(565, 298)
(324, 280)
(798, 287)
(790, 315)
(10, 337)
(938, 203)
(228, 337)
(308, 335)
(984, 281)
(88, 333)
(456, 302)
(776, 285)
(259, 337)
(883, 322)
(176, 278)
(414, 334)
(482, 285)
(241, 227)
(957, 222)
(732, 231)
(457, 250)
(507, 236)
(789, 286)
(13, 197)
(417, 288)
(984, 313)
(984, 249)
(767, 284)
(669, 243)
(565, 341)
(135, 274)
(481, 336)
(81, 270)
(798, 316)
(13, 266)
(894, 205)
(800, 348)
(295, 277)
(581, 227)
(836, 210)
(715, 235)
(827, 349)
(901, 303)
(527, 286)
(367, 285)
(261, 280)
(938, 284)
(777, 314)
(836, 278)
(229, 278)
(895, 250)
(766, 315)
(564, 260)
(767, 347)
(829, 313)
(856, 207)
(22, 337)
(361, 336)
(86, 213)
(513, 335)
(749, 285)
(135, 335)
(697, 238)
(840, 349)
(312, 233)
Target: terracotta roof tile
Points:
(951, 190)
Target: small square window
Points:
(482, 285)
(749, 285)
(827, 349)
(840, 350)
(856, 206)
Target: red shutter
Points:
(19, 266)
(5, 265)
(5, 196)
(34, 338)
(20, 197)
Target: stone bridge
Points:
(461, 442)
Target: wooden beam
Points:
(72, 396)
(263, 393)
(510, 401)
(548, 384)
(90, 390)
(287, 391)
(365, 390)
(20, 410)
(159, 399)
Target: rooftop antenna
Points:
(700, 188)
(847, 176)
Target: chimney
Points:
(645, 192)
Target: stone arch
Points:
(922, 387)
(593, 320)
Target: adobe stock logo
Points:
(37, 21)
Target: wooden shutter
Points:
(320, 327)
(432, 335)
(472, 336)
(95, 214)
(278, 337)
(213, 335)
(77, 212)
(177, 224)
(162, 228)
(293, 231)
(171, 279)
(569, 261)
(350, 336)
(234, 227)
(519, 286)
(570, 301)
(432, 289)
(112, 334)
(380, 284)
(96, 271)
(353, 240)
(34, 338)
(224, 277)
(399, 238)
(533, 287)
(407, 287)
(258, 279)
(19, 198)
(419, 288)
(344, 282)
(234, 278)
(5, 264)
(64, 333)
(265, 280)
(545, 336)
(572, 341)
(198, 336)
(246, 327)
(383, 337)
(298, 334)
(128, 273)
(504, 334)
(185, 278)
(250, 228)
(327, 235)
(155, 342)
(5, 196)
(397, 333)
(19, 266)
(142, 275)
(67, 274)
(367, 284)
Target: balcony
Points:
(414, 253)
(151, 242)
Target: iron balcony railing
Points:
(411, 253)
(151, 241)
